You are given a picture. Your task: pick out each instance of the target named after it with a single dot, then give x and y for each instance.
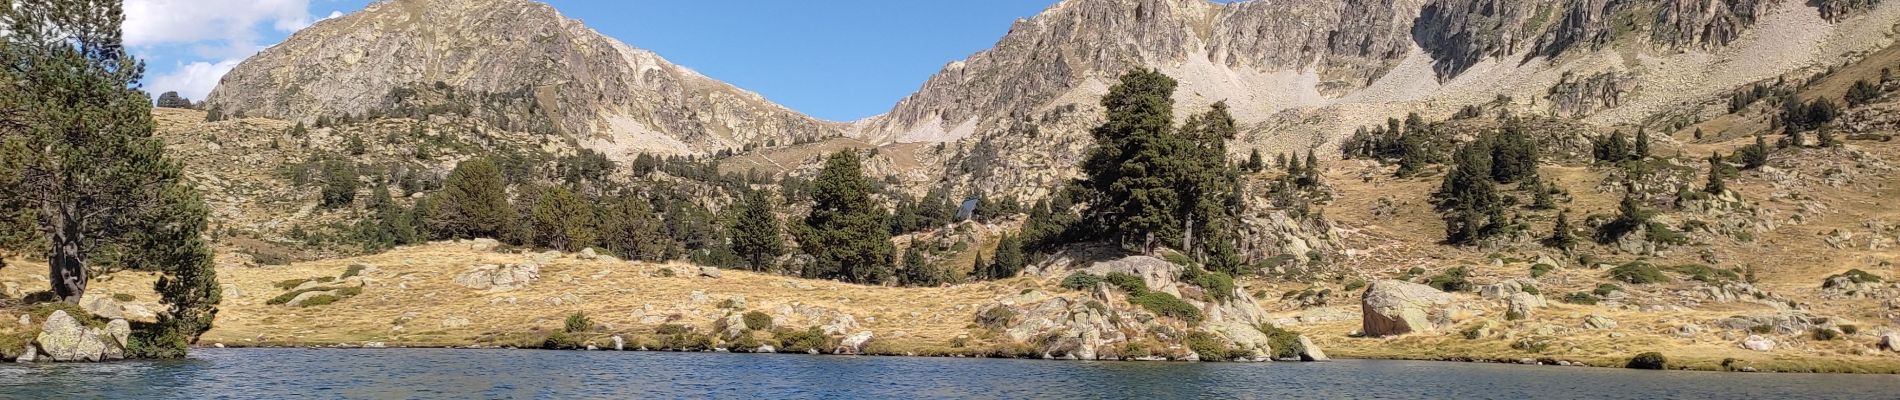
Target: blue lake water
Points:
(467, 374)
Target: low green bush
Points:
(354, 270)
(1604, 289)
(318, 300)
(1539, 270)
(1127, 283)
(1707, 274)
(1639, 273)
(1285, 343)
(1081, 281)
(1456, 279)
(799, 341)
(577, 323)
(1853, 275)
(1355, 284)
(1648, 360)
(1218, 285)
(122, 297)
(1580, 298)
(757, 321)
(1212, 348)
(1167, 305)
(1824, 334)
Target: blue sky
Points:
(833, 59)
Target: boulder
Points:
(1598, 322)
(31, 354)
(854, 344)
(1758, 343)
(116, 335)
(1521, 304)
(588, 254)
(735, 326)
(619, 343)
(454, 322)
(104, 307)
(709, 272)
(63, 338)
(306, 296)
(499, 277)
(137, 312)
(1392, 307)
(1310, 351)
(11, 290)
(1159, 274)
(767, 349)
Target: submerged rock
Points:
(1310, 351)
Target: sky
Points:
(838, 60)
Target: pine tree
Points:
(473, 203)
(755, 232)
(563, 220)
(339, 183)
(1136, 202)
(1562, 236)
(846, 231)
(173, 100)
(917, 268)
(629, 228)
(1641, 151)
(76, 147)
(1009, 258)
(1468, 197)
(1715, 185)
(1254, 162)
(1756, 155)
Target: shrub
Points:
(757, 321)
(1355, 284)
(1580, 298)
(1285, 343)
(1707, 274)
(353, 271)
(1412, 273)
(797, 341)
(560, 341)
(1762, 329)
(288, 284)
(122, 297)
(1531, 289)
(1850, 329)
(1167, 305)
(1639, 273)
(1648, 360)
(1853, 275)
(1539, 270)
(318, 300)
(1212, 348)
(577, 322)
(1604, 289)
(1127, 283)
(1218, 285)
(1453, 280)
(667, 273)
(1081, 281)
(1824, 334)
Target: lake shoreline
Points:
(1525, 362)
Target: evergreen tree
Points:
(173, 100)
(1863, 92)
(1468, 198)
(755, 232)
(1614, 149)
(76, 147)
(980, 269)
(1756, 155)
(846, 232)
(1135, 201)
(1513, 155)
(1009, 258)
(563, 220)
(339, 183)
(1540, 194)
(1254, 162)
(1641, 150)
(917, 268)
(629, 228)
(473, 203)
(1715, 185)
(1562, 236)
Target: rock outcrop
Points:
(64, 338)
(503, 277)
(1396, 307)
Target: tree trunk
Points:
(66, 261)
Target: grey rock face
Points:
(1395, 308)
(499, 277)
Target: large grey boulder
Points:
(1758, 343)
(1392, 307)
(854, 344)
(63, 338)
(1598, 322)
(1158, 274)
(503, 277)
(1310, 351)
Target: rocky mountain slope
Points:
(511, 60)
(1301, 75)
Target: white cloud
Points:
(160, 22)
(194, 80)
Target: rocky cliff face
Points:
(508, 59)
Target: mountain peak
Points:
(515, 54)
